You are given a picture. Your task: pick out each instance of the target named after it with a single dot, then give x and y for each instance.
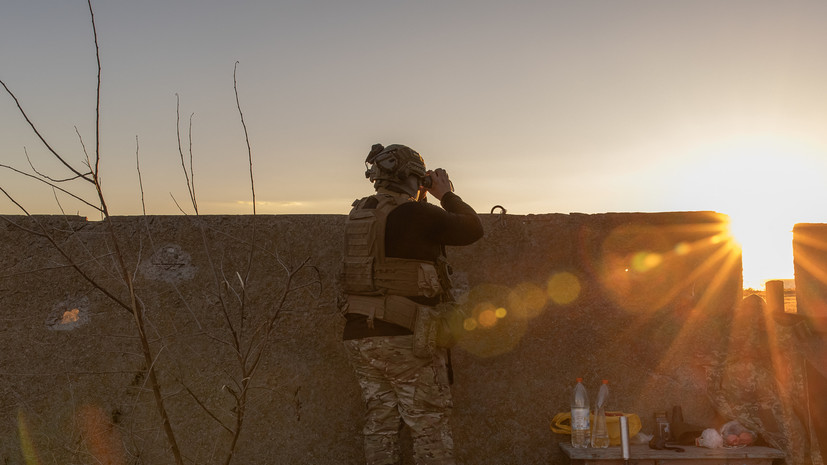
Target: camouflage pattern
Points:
(393, 165)
(759, 380)
(398, 386)
(395, 162)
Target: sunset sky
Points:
(538, 106)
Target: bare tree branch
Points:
(187, 174)
(44, 234)
(252, 193)
(23, 209)
(246, 137)
(189, 149)
(44, 181)
(208, 411)
(246, 334)
(42, 175)
(140, 178)
(97, 96)
(39, 136)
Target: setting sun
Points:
(766, 247)
(764, 183)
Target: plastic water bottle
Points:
(580, 415)
(600, 432)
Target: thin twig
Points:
(140, 178)
(43, 175)
(177, 205)
(50, 184)
(253, 231)
(246, 137)
(98, 93)
(192, 170)
(209, 412)
(67, 256)
(39, 136)
(187, 174)
(137, 309)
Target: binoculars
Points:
(427, 181)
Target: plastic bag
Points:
(736, 435)
(710, 438)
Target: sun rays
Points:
(810, 250)
(640, 270)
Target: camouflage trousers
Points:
(397, 386)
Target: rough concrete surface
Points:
(636, 298)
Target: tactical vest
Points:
(377, 285)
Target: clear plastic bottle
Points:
(600, 432)
(580, 415)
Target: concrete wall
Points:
(810, 260)
(642, 300)
(810, 253)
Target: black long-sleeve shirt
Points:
(419, 230)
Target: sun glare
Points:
(766, 184)
(766, 248)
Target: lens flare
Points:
(487, 318)
(492, 325)
(646, 261)
(563, 288)
(645, 268)
(527, 301)
(103, 440)
(26, 443)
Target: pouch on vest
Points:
(424, 333)
(359, 257)
(358, 275)
(402, 276)
(436, 328)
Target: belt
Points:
(391, 308)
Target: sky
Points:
(586, 106)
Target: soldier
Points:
(394, 275)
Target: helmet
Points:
(393, 165)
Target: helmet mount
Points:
(393, 165)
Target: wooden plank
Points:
(691, 453)
(707, 461)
